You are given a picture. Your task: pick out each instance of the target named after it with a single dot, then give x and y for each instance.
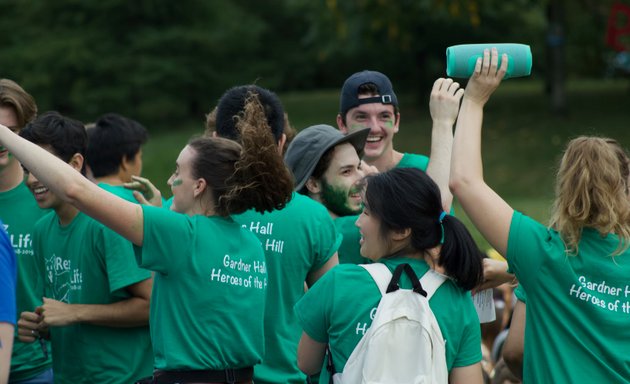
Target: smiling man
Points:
(368, 101)
(96, 305)
(327, 167)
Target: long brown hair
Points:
(250, 175)
(592, 191)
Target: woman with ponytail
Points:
(403, 222)
(207, 305)
(575, 271)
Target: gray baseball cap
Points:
(308, 147)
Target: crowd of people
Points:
(256, 269)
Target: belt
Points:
(229, 375)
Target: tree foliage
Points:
(166, 63)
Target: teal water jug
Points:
(461, 59)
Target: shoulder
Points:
(47, 220)
(412, 160)
(300, 209)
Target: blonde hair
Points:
(592, 191)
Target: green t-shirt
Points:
(297, 240)
(411, 160)
(127, 194)
(519, 292)
(120, 191)
(578, 307)
(208, 300)
(339, 309)
(350, 249)
(87, 263)
(19, 212)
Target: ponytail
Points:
(460, 256)
(407, 198)
(260, 181)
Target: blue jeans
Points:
(45, 377)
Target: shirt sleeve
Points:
(326, 240)
(528, 243)
(520, 294)
(168, 236)
(117, 252)
(8, 276)
(313, 309)
(469, 352)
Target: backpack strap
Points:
(380, 274)
(431, 281)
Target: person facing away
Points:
(299, 240)
(207, 305)
(403, 221)
(114, 152)
(30, 362)
(368, 100)
(574, 271)
(96, 304)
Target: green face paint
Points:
(177, 182)
(389, 124)
(336, 200)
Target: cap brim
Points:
(356, 139)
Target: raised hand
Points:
(444, 102)
(144, 191)
(486, 77)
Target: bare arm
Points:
(495, 273)
(487, 210)
(444, 105)
(316, 275)
(311, 355)
(515, 342)
(6, 347)
(131, 312)
(122, 216)
(470, 374)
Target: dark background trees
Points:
(166, 62)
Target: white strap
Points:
(380, 274)
(431, 281)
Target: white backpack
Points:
(404, 344)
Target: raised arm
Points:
(487, 210)
(120, 215)
(443, 105)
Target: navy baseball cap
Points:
(350, 91)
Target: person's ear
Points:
(200, 187)
(282, 142)
(342, 127)
(76, 161)
(401, 234)
(313, 186)
(397, 122)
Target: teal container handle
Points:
(461, 59)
